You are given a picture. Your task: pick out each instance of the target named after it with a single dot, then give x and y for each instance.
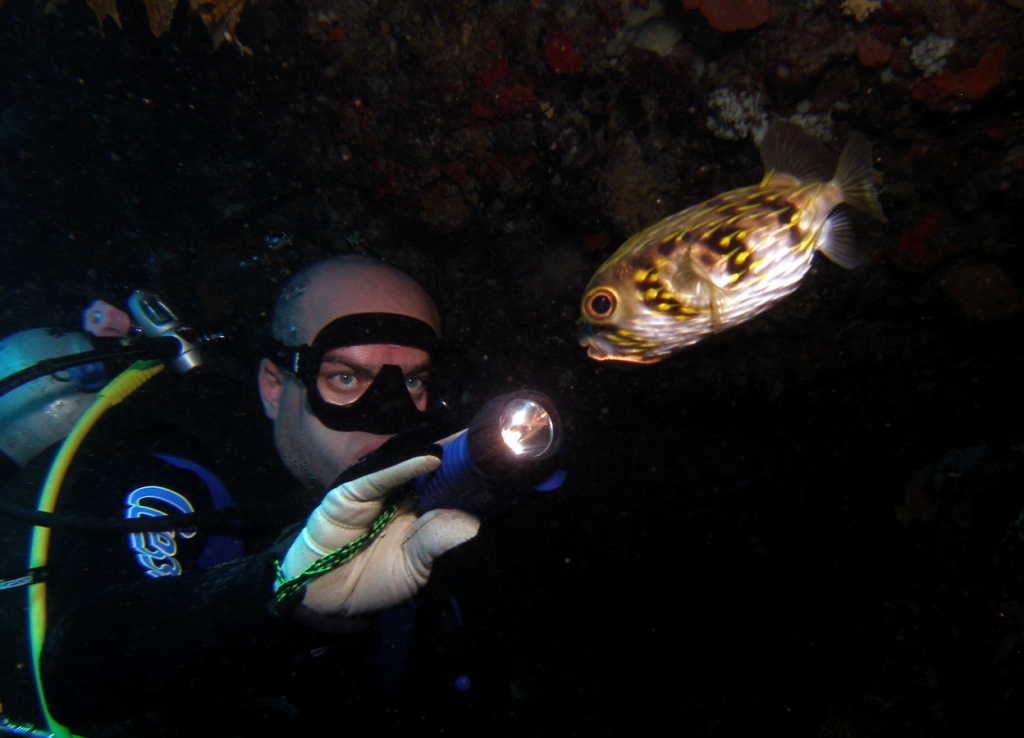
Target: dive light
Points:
(512, 443)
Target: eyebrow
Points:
(364, 371)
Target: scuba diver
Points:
(157, 632)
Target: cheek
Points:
(339, 449)
(307, 437)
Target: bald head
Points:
(345, 285)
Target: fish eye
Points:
(600, 305)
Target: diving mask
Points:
(386, 406)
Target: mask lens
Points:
(339, 383)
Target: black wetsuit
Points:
(152, 634)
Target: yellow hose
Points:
(117, 390)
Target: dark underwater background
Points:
(808, 524)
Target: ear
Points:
(271, 382)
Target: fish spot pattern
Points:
(655, 295)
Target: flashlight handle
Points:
(481, 472)
(457, 483)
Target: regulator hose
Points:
(116, 391)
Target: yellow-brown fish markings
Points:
(720, 263)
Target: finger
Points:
(448, 439)
(398, 564)
(348, 510)
(435, 533)
(356, 504)
(376, 485)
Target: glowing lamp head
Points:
(513, 432)
(527, 427)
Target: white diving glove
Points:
(392, 567)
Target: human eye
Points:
(343, 380)
(417, 386)
(341, 385)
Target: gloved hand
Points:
(392, 567)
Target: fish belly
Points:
(776, 277)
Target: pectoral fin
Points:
(838, 242)
(693, 285)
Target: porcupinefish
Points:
(720, 263)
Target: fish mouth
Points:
(590, 339)
(598, 350)
(586, 331)
(599, 354)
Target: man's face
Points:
(315, 454)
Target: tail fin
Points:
(856, 179)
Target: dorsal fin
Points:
(788, 149)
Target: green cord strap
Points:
(289, 590)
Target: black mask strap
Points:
(360, 329)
